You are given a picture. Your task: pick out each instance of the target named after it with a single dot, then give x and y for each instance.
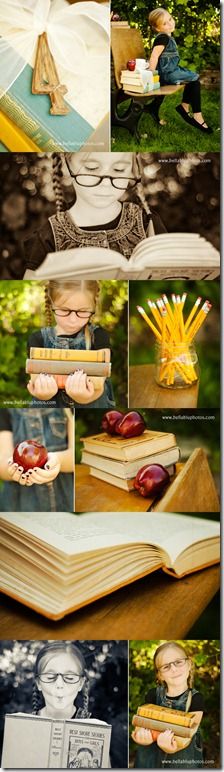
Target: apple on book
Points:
(30, 454)
(131, 64)
(151, 479)
(129, 425)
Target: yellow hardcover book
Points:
(14, 138)
(71, 355)
(167, 714)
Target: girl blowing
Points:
(103, 214)
(71, 307)
(165, 58)
(174, 676)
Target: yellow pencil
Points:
(192, 313)
(148, 321)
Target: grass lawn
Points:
(177, 136)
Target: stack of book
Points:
(140, 81)
(117, 460)
(61, 362)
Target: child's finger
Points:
(52, 461)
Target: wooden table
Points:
(156, 606)
(192, 489)
(144, 391)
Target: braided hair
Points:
(54, 287)
(82, 698)
(137, 168)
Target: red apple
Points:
(131, 64)
(110, 420)
(29, 454)
(131, 424)
(151, 479)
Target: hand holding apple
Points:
(29, 454)
(39, 476)
(151, 479)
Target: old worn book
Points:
(51, 366)
(159, 719)
(119, 482)
(128, 469)
(121, 449)
(36, 742)
(165, 256)
(56, 562)
(71, 354)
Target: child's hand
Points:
(44, 387)
(79, 387)
(36, 475)
(142, 736)
(166, 741)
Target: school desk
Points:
(145, 392)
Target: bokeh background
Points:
(182, 188)
(206, 657)
(192, 428)
(107, 669)
(207, 341)
(22, 312)
(197, 34)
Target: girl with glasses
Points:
(69, 309)
(109, 211)
(174, 676)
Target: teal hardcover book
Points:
(31, 113)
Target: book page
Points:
(76, 534)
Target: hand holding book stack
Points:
(177, 365)
(62, 362)
(159, 719)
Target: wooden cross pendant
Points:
(45, 78)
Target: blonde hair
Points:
(154, 17)
(58, 159)
(55, 288)
(169, 645)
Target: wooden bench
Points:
(127, 43)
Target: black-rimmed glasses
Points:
(92, 180)
(66, 312)
(68, 678)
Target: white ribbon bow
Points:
(70, 28)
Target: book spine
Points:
(28, 124)
(166, 714)
(71, 355)
(161, 726)
(56, 744)
(15, 137)
(64, 368)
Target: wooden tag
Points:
(45, 78)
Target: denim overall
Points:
(49, 428)
(61, 399)
(170, 72)
(152, 757)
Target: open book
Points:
(58, 562)
(165, 256)
(36, 742)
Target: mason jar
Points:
(176, 365)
